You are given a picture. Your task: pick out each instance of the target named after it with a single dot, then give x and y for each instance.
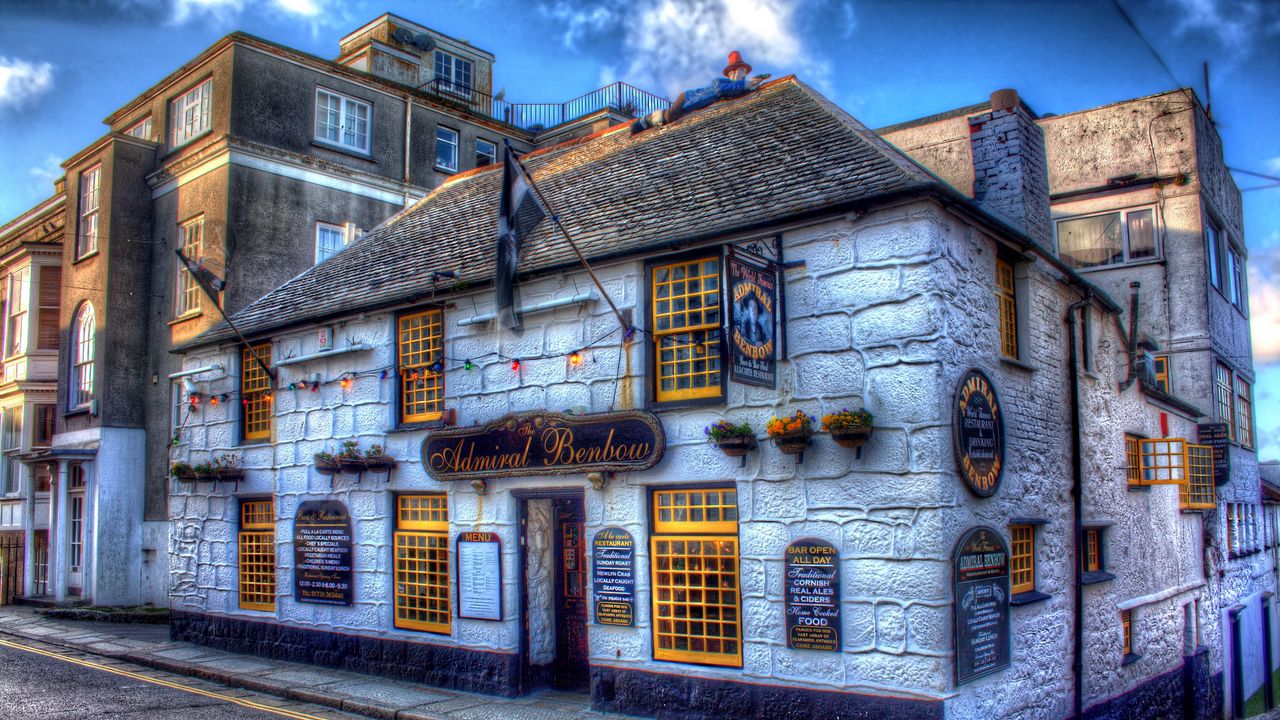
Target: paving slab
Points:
(310, 678)
(398, 695)
(235, 665)
(183, 653)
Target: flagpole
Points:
(556, 219)
(187, 264)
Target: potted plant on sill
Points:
(326, 463)
(849, 428)
(227, 467)
(183, 472)
(205, 471)
(350, 458)
(377, 459)
(734, 440)
(791, 433)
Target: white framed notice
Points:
(479, 576)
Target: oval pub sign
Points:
(977, 433)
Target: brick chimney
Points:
(1010, 172)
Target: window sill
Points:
(255, 443)
(1096, 576)
(1120, 265)
(1028, 598)
(1014, 362)
(353, 152)
(1135, 487)
(418, 426)
(445, 170)
(1130, 658)
(663, 406)
(82, 410)
(188, 315)
(86, 256)
(187, 143)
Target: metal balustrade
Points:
(535, 117)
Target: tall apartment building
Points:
(1143, 206)
(259, 161)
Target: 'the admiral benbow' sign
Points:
(977, 433)
(753, 350)
(543, 443)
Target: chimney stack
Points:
(1010, 171)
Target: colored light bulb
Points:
(515, 366)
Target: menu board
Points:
(1218, 437)
(479, 576)
(812, 587)
(322, 553)
(613, 577)
(981, 574)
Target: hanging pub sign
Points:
(613, 577)
(753, 310)
(977, 433)
(981, 576)
(546, 443)
(812, 586)
(322, 553)
(479, 576)
(1218, 437)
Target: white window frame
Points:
(347, 235)
(453, 143)
(11, 422)
(90, 198)
(348, 114)
(84, 333)
(17, 312)
(191, 114)
(1124, 214)
(454, 74)
(186, 291)
(492, 156)
(141, 129)
(1235, 279)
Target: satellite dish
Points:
(424, 42)
(403, 35)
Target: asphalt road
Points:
(37, 686)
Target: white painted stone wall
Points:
(888, 311)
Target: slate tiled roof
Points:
(778, 152)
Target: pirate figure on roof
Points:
(733, 84)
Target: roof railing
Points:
(535, 117)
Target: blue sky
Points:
(65, 65)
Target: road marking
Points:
(284, 712)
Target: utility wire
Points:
(1129, 21)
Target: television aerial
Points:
(403, 35)
(424, 42)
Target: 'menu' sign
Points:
(538, 443)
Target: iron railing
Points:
(536, 117)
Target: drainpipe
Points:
(408, 131)
(1077, 502)
(1133, 334)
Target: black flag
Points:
(211, 283)
(518, 214)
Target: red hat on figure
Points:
(735, 62)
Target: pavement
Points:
(150, 646)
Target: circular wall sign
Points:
(977, 433)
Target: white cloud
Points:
(1273, 165)
(47, 172)
(22, 81)
(1264, 302)
(1235, 24)
(226, 12)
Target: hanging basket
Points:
(230, 474)
(351, 464)
(327, 468)
(736, 446)
(185, 476)
(852, 437)
(793, 442)
(203, 476)
(379, 463)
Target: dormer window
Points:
(453, 74)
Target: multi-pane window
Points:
(83, 335)
(486, 153)
(17, 303)
(1092, 558)
(453, 73)
(1022, 558)
(1235, 278)
(42, 433)
(1160, 369)
(141, 129)
(330, 239)
(446, 149)
(1213, 240)
(686, 334)
(1164, 461)
(421, 354)
(422, 563)
(10, 445)
(49, 302)
(90, 195)
(257, 544)
(187, 291)
(255, 392)
(189, 113)
(1126, 622)
(1108, 239)
(1224, 394)
(1133, 458)
(1007, 298)
(1244, 413)
(696, 616)
(1197, 493)
(342, 120)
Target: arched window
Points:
(83, 332)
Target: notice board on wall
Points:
(479, 576)
(613, 577)
(981, 612)
(322, 553)
(812, 594)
